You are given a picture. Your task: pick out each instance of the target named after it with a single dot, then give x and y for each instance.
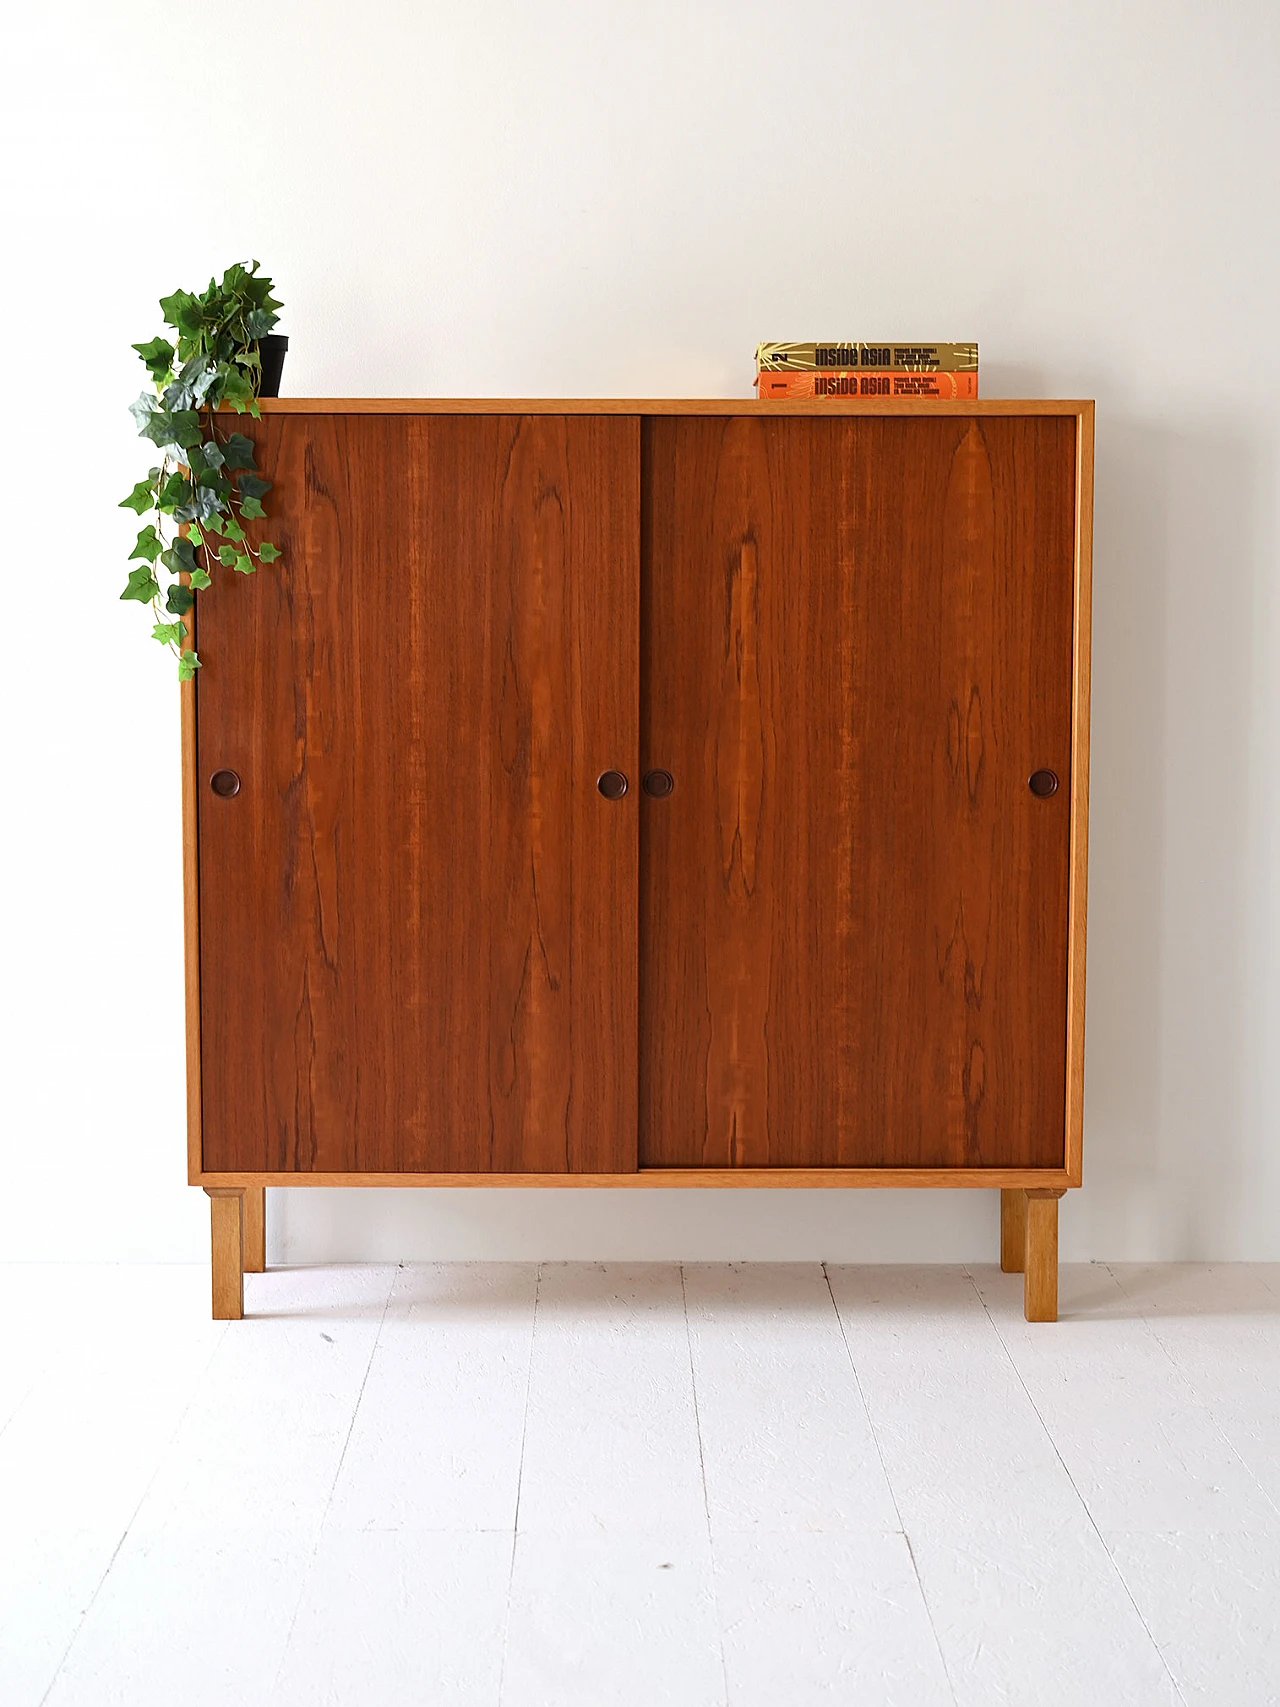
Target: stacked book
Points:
(946, 371)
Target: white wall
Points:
(592, 199)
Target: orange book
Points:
(960, 387)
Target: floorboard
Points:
(718, 1485)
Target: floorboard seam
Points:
(124, 1534)
(21, 1402)
(1084, 1504)
(342, 1457)
(515, 1519)
(893, 1493)
(706, 1498)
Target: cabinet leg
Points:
(255, 1229)
(1040, 1276)
(227, 1223)
(1013, 1231)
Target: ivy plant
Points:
(206, 485)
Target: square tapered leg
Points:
(227, 1252)
(1013, 1231)
(255, 1228)
(1040, 1275)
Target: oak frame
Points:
(1045, 1180)
(671, 406)
(191, 912)
(651, 1179)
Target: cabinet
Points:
(831, 931)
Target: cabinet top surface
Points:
(667, 406)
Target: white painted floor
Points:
(764, 1486)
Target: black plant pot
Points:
(272, 349)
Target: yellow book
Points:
(871, 357)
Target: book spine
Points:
(959, 387)
(886, 357)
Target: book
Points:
(957, 386)
(884, 357)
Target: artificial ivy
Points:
(206, 487)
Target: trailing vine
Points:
(206, 486)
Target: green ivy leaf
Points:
(142, 409)
(143, 496)
(180, 559)
(214, 358)
(179, 427)
(142, 585)
(237, 452)
(149, 545)
(209, 500)
(158, 355)
(183, 312)
(177, 396)
(256, 287)
(236, 388)
(176, 491)
(193, 384)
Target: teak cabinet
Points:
(633, 793)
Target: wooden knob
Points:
(612, 784)
(1042, 784)
(224, 784)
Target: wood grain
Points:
(667, 406)
(1013, 1231)
(417, 917)
(681, 1179)
(254, 1228)
(857, 645)
(226, 1254)
(1083, 623)
(1040, 1276)
(191, 907)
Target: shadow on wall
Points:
(1168, 1145)
(631, 1224)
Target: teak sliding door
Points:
(417, 911)
(857, 648)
